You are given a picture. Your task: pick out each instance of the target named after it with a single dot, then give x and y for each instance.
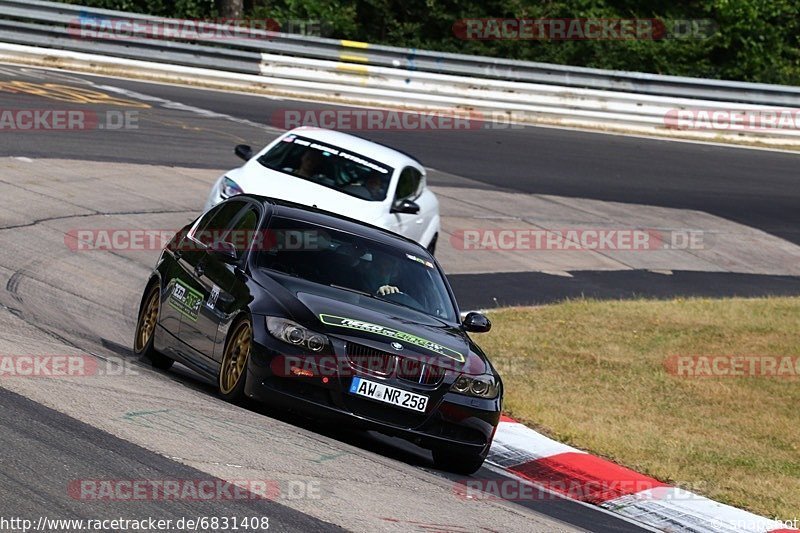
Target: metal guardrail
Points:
(144, 49)
(41, 23)
(345, 72)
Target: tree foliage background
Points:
(753, 40)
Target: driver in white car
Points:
(374, 185)
(311, 163)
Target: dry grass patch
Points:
(592, 374)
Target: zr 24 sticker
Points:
(186, 301)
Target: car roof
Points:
(296, 211)
(371, 149)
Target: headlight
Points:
(229, 188)
(478, 386)
(295, 334)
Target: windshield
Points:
(329, 166)
(354, 263)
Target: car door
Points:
(409, 187)
(226, 278)
(177, 274)
(205, 281)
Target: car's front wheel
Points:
(233, 371)
(146, 328)
(458, 462)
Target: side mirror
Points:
(476, 323)
(243, 151)
(406, 207)
(226, 252)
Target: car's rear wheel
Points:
(464, 463)
(146, 329)
(233, 371)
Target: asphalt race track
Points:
(128, 421)
(124, 420)
(48, 437)
(755, 187)
(197, 128)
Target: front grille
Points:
(419, 372)
(370, 359)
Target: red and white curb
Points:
(576, 474)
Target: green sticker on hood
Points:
(377, 329)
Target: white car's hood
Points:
(254, 178)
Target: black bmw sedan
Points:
(324, 315)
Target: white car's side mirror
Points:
(243, 151)
(406, 207)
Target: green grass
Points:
(592, 374)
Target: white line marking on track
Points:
(169, 104)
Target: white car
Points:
(340, 173)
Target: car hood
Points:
(379, 324)
(254, 178)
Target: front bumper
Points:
(452, 421)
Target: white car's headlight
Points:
(483, 386)
(229, 188)
(293, 333)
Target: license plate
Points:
(391, 395)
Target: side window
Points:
(244, 229)
(215, 224)
(279, 156)
(409, 184)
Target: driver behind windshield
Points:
(311, 163)
(381, 275)
(374, 185)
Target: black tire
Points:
(432, 245)
(464, 463)
(145, 329)
(233, 370)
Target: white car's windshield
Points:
(330, 166)
(358, 264)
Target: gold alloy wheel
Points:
(235, 359)
(147, 322)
